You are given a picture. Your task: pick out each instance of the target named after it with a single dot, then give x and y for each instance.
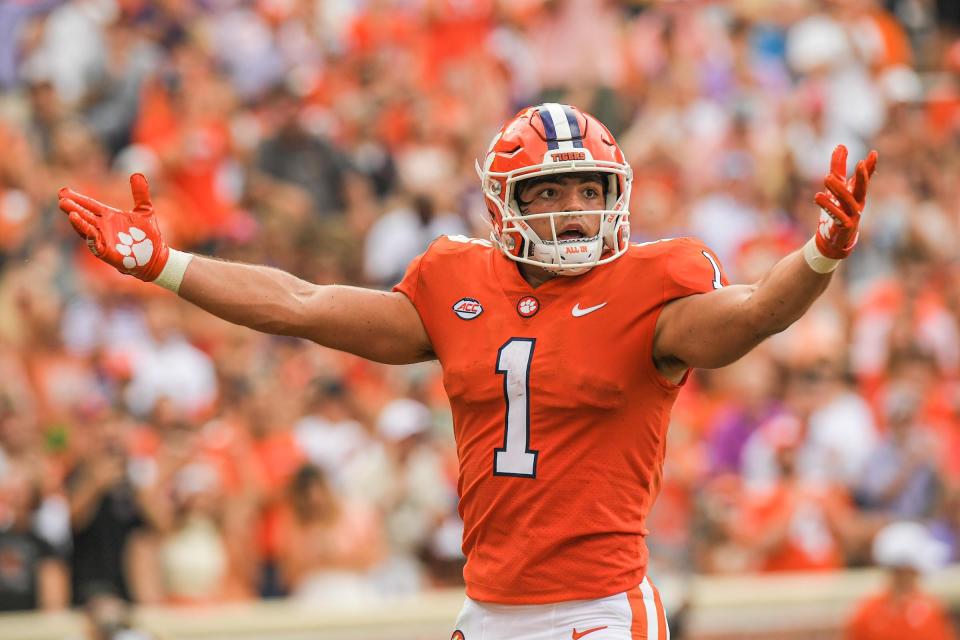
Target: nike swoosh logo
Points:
(577, 636)
(578, 312)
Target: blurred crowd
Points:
(152, 452)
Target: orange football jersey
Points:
(559, 414)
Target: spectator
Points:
(195, 558)
(900, 478)
(402, 234)
(32, 575)
(329, 433)
(112, 500)
(753, 401)
(797, 524)
(167, 365)
(108, 617)
(72, 45)
(331, 544)
(113, 102)
(945, 525)
(903, 609)
(419, 503)
(275, 458)
(839, 431)
(907, 309)
(298, 156)
(13, 15)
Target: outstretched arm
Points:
(713, 329)
(376, 325)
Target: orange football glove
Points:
(127, 240)
(842, 204)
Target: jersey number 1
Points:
(515, 457)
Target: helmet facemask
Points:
(520, 242)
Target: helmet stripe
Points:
(575, 132)
(548, 127)
(561, 126)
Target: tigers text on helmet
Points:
(546, 140)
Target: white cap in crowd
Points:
(402, 418)
(909, 545)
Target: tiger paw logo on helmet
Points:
(458, 635)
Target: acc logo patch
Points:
(467, 308)
(457, 635)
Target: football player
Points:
(563, 347)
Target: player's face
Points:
(571, 193)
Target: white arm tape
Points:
(817, 261)
(172, 274)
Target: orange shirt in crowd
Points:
(275, 459)
(458, 28)
(795, 526)
(18, 216)
(894, 44)
(886, 616)
(193, 148)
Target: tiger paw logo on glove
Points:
(127, 240)
(135, 246)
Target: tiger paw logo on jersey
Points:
(458, 635)
(528, 306)
(467, 308)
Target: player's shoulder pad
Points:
(687, 264)
(458, 245)
(445, 262)
(665, 246)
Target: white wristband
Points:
(172, 274)
(817, 261)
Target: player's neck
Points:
(535, 276)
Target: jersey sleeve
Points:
(691, 268)
(430, 276)
(410, 283)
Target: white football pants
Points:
(633, 615)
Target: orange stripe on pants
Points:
(648, 615)
(661, 616)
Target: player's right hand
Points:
(841, 204)
(127, 240)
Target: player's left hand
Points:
(841, 204)
(129, 241)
